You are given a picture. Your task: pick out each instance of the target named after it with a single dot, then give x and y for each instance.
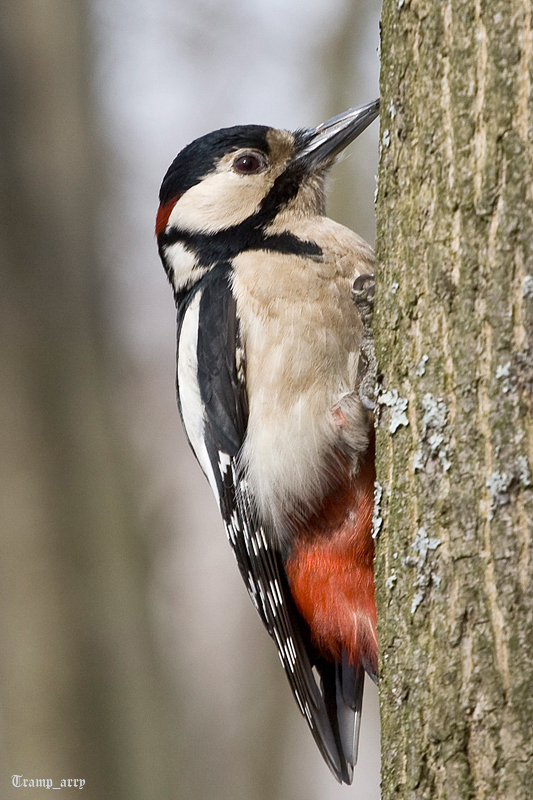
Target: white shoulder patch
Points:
(192, 409)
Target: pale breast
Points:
(301, 335)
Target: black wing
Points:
(332, 705)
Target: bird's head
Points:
(223, 191)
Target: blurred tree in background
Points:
(80, 694)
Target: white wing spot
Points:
(280, 648)
(288, 656)
(272, 604)
(298, 700)
(224, 463)
(262, 596)
(274, 593)
(291, 648)
(230, 533)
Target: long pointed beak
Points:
(318, 145)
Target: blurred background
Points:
(130, 654)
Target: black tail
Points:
(342, 688)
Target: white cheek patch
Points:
(219, 201)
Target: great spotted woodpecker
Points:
(268, 370)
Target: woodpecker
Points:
(268, 372)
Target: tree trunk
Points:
(454, 328)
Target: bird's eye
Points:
(249, 163)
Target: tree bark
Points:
(454, 336)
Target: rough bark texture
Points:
(454, 333)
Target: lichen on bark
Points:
(454, 338)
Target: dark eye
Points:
(249, 163)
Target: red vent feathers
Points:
(331, 573)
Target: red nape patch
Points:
(163, 213)
(331, 576)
